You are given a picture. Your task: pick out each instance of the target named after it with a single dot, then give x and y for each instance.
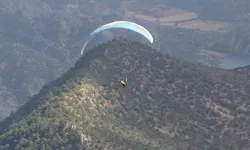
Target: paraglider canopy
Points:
(120, 24)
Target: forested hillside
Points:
(168, 104)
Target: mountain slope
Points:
(56, 29)
(36, 38)
(169, 104)
(236, 41)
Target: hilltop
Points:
(52, 32)
(169, 104)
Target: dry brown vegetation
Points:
(185, 19)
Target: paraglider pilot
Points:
(123, 82)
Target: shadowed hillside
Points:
(39, 41)
(169, 104)
(236, 41)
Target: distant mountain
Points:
(168, 104)
(40, 39)
(220, 10)
(38, 42)
(236, 41)
(8, 102)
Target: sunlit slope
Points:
(168, 104)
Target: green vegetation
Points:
(169, 104)
(37, 45)
(37, 37)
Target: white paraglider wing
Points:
(120, 24)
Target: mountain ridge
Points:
(168, 104)
(56, 29)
